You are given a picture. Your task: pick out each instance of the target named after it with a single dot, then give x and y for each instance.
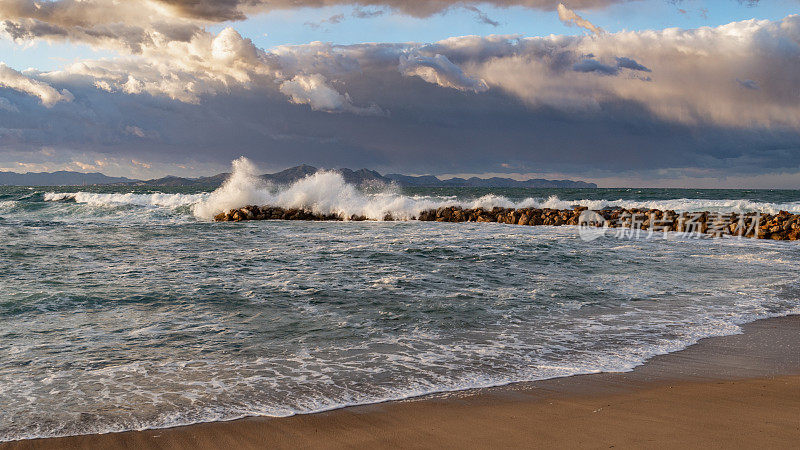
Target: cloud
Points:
(314, 91)
(128, 26)
(49, 96)
(135, 131)
(223, 10)
(687, 69)
(361, 13)
(333, 20)
(482, 16)
(593, 65)
(554, 71)
(570, 18)
(185, 71)
(439, 70)
(6, 105)
(627, 63)
(138, 25)
(141, 164)
(748, 84)
(230, 47)
(571, 104)
(135, 25)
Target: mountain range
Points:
(60, 178)
(288, 176)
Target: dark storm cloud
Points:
(460, 105)
(627, 63)
(593, 65)
(445, 133)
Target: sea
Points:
(129, 308)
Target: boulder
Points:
(781, 226)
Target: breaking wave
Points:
(328, 193)
(117, 199)
(323, 193)
(681, 204)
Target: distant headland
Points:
(356, 177)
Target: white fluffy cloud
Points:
(688, 76)
(685, 76)
(314, 91)
(49, 96)
(184, 71)
(439, 70)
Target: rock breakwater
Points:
(781, 226)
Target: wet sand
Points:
(734, 391)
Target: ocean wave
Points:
(118, 199)
(681, 204)
(327, 193)
(444, 310)
(220, 386)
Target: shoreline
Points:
(737, 379)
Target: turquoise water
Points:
(124, 308)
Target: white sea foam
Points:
(327, 193)
(681, 204)
(7, 205)
(323, 192)
(242, 188)
(315, 322)
(117, 199)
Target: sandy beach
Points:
(734, 391)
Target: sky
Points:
(623, 93)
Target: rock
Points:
(782, 226)
(574, 220)
(427, 216)
(444, 213)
